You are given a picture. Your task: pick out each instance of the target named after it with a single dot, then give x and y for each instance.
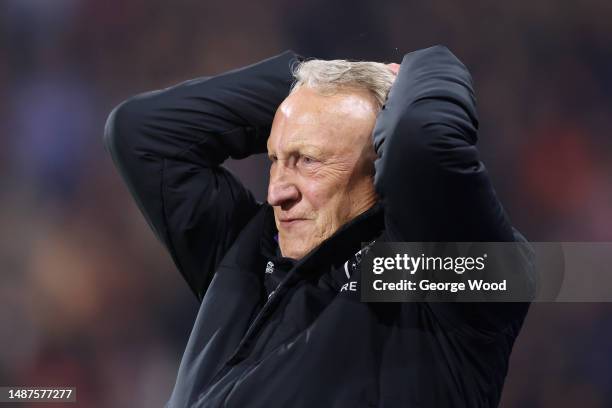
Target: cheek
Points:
(317, 194)
(328, 200)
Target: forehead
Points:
(308, 119)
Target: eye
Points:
(307, 160)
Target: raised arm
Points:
(429, 176)
(168, 146)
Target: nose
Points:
(282, 191)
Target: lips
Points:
(290, 222)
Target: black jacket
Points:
(272, 332)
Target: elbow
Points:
(123, 126)
(111, 131)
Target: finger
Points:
(394, 67)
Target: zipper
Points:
(250, 334)
(234, 358)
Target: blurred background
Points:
(87, 295)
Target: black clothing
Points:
(272, 332)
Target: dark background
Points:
(89, 298)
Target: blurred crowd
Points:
(88, 298)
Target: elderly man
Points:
(360, 151)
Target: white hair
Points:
(329, 76)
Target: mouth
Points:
(291, 222)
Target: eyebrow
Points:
(303, 148)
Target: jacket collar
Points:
(334, 251)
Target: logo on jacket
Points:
(351, 265)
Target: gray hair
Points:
(337, 75)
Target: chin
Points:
(296, 252)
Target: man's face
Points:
(321, 174)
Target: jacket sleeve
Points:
(168, 146)
(433, 186)
(429, 176)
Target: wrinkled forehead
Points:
(337, 122)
